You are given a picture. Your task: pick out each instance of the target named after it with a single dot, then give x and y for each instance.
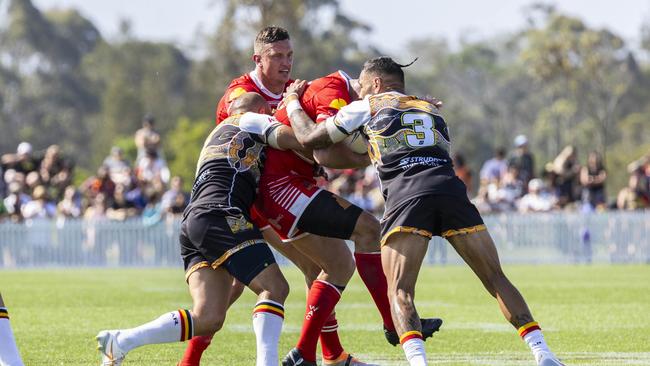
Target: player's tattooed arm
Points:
(308, 133)
(284, 139)
(339, 156)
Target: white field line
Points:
(524, 359)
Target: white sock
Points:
(9, 355)
(267, 323)
(535, 340)
(414, 351)
(171, 327)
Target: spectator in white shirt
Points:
(537, 199)
(494, 169)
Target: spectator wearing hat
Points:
(23, 161)
(523, 160)
(538, 199)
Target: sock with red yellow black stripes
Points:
(175, 326)
(267, 323)
(531, 333)
(8, 351)
(413, 347)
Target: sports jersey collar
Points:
(258, 82)
(393, 92)
(345, 77)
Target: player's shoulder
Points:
(331, 91)
(399, 101)
(338, 79)
(241, 85)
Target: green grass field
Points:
(597, 315)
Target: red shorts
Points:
(281, 202)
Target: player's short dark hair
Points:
(270, 34)
(385, 66)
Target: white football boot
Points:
(112, 354)
(548, 359)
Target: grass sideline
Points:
(592, 315)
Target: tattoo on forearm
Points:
(308, 131)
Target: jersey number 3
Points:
(422, 129)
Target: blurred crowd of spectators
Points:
(509, 182)
(39, 184)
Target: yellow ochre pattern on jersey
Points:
(233, 143)
(338, 103)
(236, 93)
(389, 132)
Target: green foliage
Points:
(184, 148)
(556, 79)
(58, 326)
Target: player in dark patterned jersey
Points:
(409, 146)
(219, 242)
(273, 60)
(313, 219)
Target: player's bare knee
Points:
(279, 291)
(311, 271)
(340, 271)
(236, 290)
(366, 234)
(208, 322)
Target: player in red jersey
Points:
(273, 57)
(316, 222)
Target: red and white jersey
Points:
(247, 83)
(322, 98)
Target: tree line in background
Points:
(556, 80)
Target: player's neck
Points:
(273, 87)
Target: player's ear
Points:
(377, 83)
(257, 59)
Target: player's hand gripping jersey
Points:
(246, 83)
(287, 184)
(409, 144)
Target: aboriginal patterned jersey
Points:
(228, 169)
(408, 144)
(322, 98)
(246, 83)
